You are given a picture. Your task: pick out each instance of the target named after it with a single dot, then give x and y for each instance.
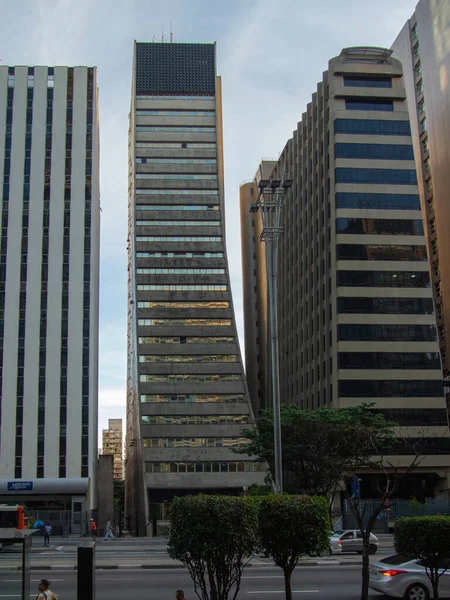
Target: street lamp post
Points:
(269, 202)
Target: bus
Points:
(12, 517)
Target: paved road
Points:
(332, 583)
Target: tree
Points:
(320, 446)
(426, 539)
(214, 537)
(291, 526)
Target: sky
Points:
(270, 54)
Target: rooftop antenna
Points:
(162, 34)
(171, 34)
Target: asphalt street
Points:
(308, 583)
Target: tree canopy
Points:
(320, 446)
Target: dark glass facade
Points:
(380, 226)
(389, 360)
(379, 306)
(363, 388)
(380, 252)
(375, 151)
(387, 333)
(372, 127)
(381, 176)
(378, 201)
(410, 279)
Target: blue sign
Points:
(20, 486)
(355, 486)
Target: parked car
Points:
(350, 540)
(398, 577)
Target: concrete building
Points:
(355, 305)
(423, 47)
(187, 396)
(49, 268)
(112, 443)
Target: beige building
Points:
(355, 305)
(113, 444)
(423, 46)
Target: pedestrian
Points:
(93, 529)
(44, 592)
(47, 534)
(109, 531)
(179, 595)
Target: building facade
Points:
(423, 47)
(112, 443)
(355, 304)
(49, 255)
(187, 397)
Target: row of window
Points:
(148, 112)
(418, 279)
(389, 360)
(187, 340)
(178, 287)
(390, 388)
(175, 128)
(380, 176)
(186, 377)
(179, 254)
(161, 271)
(375, 151)
(177, 207)
(387, 333)
(380, 252)
(182, 176)
(415, 416)
(186, 304)
(194, 419)
(372, 127)
(196, 442)
(203, 467)
(378, 201)
(382, 104)
(185, 322)
(376, 81)
(188, 358)
(378, 306)
(188, 145)
(178, 238)
(149, 223)
(178, 191)
(380, 226)
(178, 97)
(175, 161)
(192, 398)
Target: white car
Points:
(398, 577)
(350, 540)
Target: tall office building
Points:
(187, 395)
(49, 255)
(424, 49)
(112, 443)
(355, 306)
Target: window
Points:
(380, 226)
(406, 279)
(193, 322)
(187, 340)
(188, 192)
(380, 252)
(382, 104)
(416, 51)
(378, 306)
(200, 145)
(372, 127)
(174, 129)
(151, 223)
(390, 389)
(182, 378)
(181, 287)
(423, 126)
(179, 255)
(174, 113)
(194, 419)
(387, 333)
(418, 70)
(421, 107)
(178, 238)
(367, 81)
(192, 398)
(419, 87)
(179, 161)
(188, 358)
(188, 304)
(375, 151)
(377, 201)
(433, 225)
(202, 467)
(145, 271)
(178, 207)
(414, 416)
(182, 176)
(385, 176)
(389, 360)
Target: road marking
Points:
(284, 591)
(264, 577)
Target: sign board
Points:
(20, 486)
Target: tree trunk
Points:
(435, 584)
(287, 583)
(365, 568)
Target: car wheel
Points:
(326, 552)
(416, 591)
(372, 549)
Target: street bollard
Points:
(86, 572)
